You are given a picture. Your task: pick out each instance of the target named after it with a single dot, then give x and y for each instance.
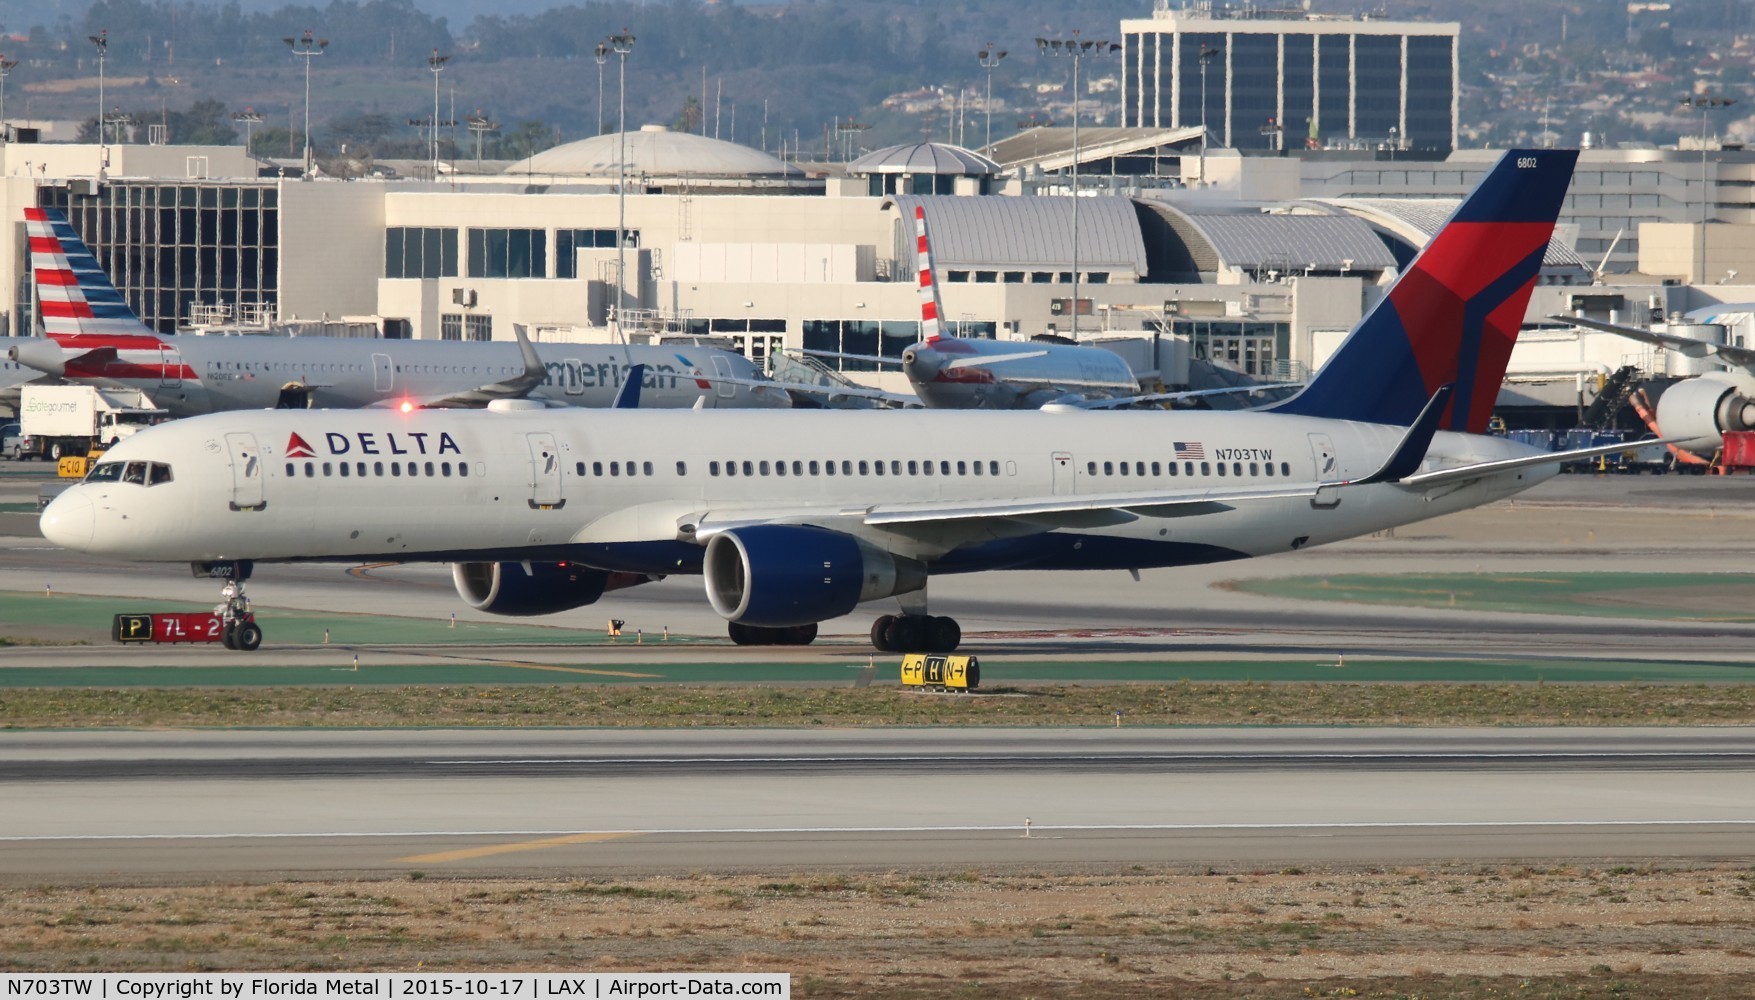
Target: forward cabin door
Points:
(383, 373)
(247, 473)
(722, 368)
(545, 472)
(1065, 474)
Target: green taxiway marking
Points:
(1719, 597)
(303, 627)
(996, 672)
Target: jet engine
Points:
(781, 575)
(534, 588)
(1702, 409)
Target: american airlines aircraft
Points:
(93, 337)
(793, 520)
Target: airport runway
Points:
(223, 805)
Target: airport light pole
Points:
(308, 48)
(990, 59)
(436, 63)
(1077, 49)
(1207, 52)
(601, 54)
(247, 118)
(480, 124)
(6, 66)
(118, 119)
(102, 41)
(621, 44)
(1705, 104)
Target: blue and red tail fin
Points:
(1453, 315)
(75, 297)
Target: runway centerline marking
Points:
(471, 853)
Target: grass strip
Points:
(1665, 596)
(630, 705)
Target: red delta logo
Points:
(297, 447)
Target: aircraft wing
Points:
(1166, 397)
(516, 387)
(856, 392)
(1742, 357)
(874, 359)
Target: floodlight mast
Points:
(1077, 49)
(436, 63)
(1704, 104)
(247, 118)
(102, 41)
(601, 54)
(480, 124)
(621, 44)
(990, 59)
(307, 47)
(6, 66)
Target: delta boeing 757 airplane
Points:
(796, 519)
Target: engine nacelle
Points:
(534, 588)
(780, 575)
(1701, 410)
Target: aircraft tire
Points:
(228, 636)
(801, 635)
(740, 634)
(944, 635)
(880, 634)
(247, 637)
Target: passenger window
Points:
(615, 468)
(579, 469)
(1285, 469)
(1170, 467)
(764, 467)
(944, 468)
(847, 467)
(780, 468)
(712, 468)
(289, 468)
(360, 469)
(1124, 468)
(798, 467)
(926, 467)
(749, 468)
(463, 468)
(414, 468)
(913, 468)
(962, 468)
(1155, 471)
(1254, 470)
(1091, 468)
(1206, 469)
(328, 470)
(1109, 468)
(1139, 468)
(345, 470)
(395, 468)
(646, 468)
(862, 469)
(1237, 468)
(429, 468)
(978, 469)
(445, 469)
(597, 469)
(377, 468)
(993, 468)
(682, 469)
(311, 469)
(1221, 469)
(1269, 467)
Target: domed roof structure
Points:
(924, 158)
(653, 151)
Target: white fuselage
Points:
(640, 491)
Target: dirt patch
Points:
(1462, 931)
(1703, 601)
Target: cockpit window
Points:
(157, 473)
(135, 473)
(105, 472)
(142, 473)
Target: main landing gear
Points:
(757, 635)
(916, 634)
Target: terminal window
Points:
(420, 252)
(508, 253)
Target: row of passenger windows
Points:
(143, 473)
(361, 470)
(849, 467)
(1187, 468)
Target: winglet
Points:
(628, 396)
(533, 366)
(931, 309)
(1412, 451)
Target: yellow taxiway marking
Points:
(471, 853)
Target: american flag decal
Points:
(1190, 449)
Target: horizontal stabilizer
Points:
(1462, 473)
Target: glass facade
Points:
(420, 252)
(1248, 346)
(168, 247)
(508, 253)
(567, 241)
(1344, 83)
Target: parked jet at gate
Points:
(793, 520)
(94, 337)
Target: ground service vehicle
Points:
(62, 421)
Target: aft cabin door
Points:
(246, 472)
(1328, 470)
(545, 472)
(170, 371)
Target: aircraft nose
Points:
(69, 520)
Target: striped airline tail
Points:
(931, 309)
(1453, 315)
(75, 297)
